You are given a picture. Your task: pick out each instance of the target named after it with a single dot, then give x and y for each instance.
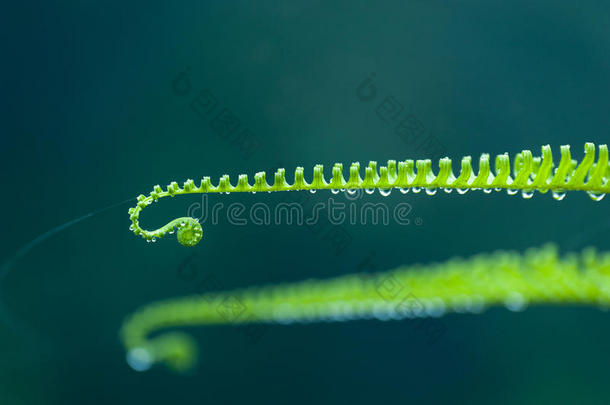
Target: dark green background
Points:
(89, 118)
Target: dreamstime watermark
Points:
(296, 213)
(221, 119)
(404, 302)
(407, 126)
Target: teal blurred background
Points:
(92, 115)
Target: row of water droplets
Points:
(383, 310)
(557, 194)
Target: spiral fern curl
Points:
(513, 279)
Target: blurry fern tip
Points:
(455, 285)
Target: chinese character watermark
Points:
(222, 121)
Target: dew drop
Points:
(487, 190)
(511, 191)
(559, 195)
(153, 240)
(385, 192)
(139, 359)
(381, 312)
(147, 240)
(448, 190)
(476, 305)
(171, 232)
(351, 191)
(436, 308)
(334, 191)
(369, 190)
(404, 190)
(515, 302)
(285, 321)
(431, 191)
(313, 191)
(595, 196)
(462, 190)
(527, 194)
(416, 189)
(131, 227)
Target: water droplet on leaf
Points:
(527, 194)
(595, 196)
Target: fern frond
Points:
(539, 276)
(512, 279)
(529, 174)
